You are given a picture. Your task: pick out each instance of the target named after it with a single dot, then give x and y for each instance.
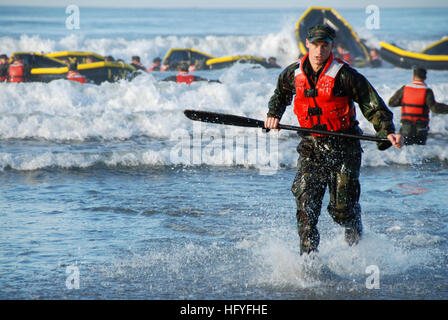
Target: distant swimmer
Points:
(194, 66)
(375, 60)
(416, 100)
(74, 75)
(183, 76)
(137, 64)
(89, 59)
(4, 65)
(155, 64)
(272, 63)
(17, 71)
(164, 67)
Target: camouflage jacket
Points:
(348, 82)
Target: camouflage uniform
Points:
(332, 161)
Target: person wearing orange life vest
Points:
(344, 54)
(195, 66)
(192, 68)
(416, 101)
(155, 65)
(74, 75)
(17, 71)
(324, 90)
(4, 66)
(183, 76)
(164, 67)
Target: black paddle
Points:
(239, 121)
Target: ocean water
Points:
(109, 192)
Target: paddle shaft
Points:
(228, 119)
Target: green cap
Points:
(321, 32)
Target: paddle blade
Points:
(221, 118)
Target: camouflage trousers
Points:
(332, 162)
(414, 133)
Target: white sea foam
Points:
(374, 249)
(281, 45)
(278, 262)
(65, 112)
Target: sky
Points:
(229, 3)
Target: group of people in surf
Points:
(12, 70)
(183, 70)
(15, 69)
(415, 98)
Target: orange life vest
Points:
(16, 72)
(347, 57)
(76, 76)
(318, 108)
(164, 67)
(413, 102)
(192, 68)
(184, 77)
(154, 67)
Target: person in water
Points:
(18, 71)
(321, 85)
(183, 76)
(89, 59)
(272, 63)
(4, 66)
(137, 64)
(74, 75)
(416, 99)
(375, 60)
(155, 64)
(195, 66)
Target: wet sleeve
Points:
(370, 103)
(395, 100)
(3, 70)
(283, 93)
(435, 106)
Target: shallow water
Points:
(210, 233)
